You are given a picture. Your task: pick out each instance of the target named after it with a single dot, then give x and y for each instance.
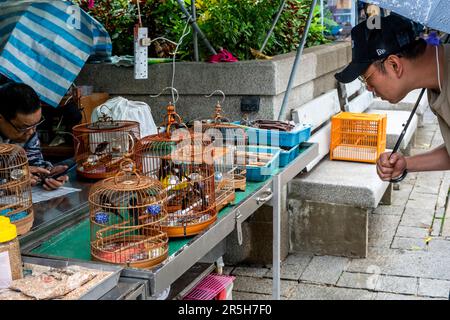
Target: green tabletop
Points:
(74, 241)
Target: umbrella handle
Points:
(406, 125)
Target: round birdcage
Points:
(126, 214)
(183, 163)
(229, 141)
(101, 146)
(15, 187)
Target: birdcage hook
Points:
(104, 116)
(217, 91)
(173, 89)
(127, 166)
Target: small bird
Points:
(199, 190)
(106, 202)
(101, 147)
(133, 211)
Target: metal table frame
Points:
(163, 276)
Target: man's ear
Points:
(396, 64)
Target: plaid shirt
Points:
(33, 149)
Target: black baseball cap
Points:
(374, 40)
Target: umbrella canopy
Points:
(45, 44)
(433, 13)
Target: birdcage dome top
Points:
(113, 125)
(128, 181)
(9, 149)
(12, 155)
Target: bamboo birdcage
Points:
(183, 164)
(229, 142)
(15, 187)
(126, 214)
(102, 145)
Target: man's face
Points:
(388, 85)
(22, 127)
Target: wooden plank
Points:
(361, 103)
(323, 138)
(318, 111)
(352, 87)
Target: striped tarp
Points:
(45, 43)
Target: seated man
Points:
(20, 114)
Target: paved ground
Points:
(409, 253)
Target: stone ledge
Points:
(253, 77)
(340, 182)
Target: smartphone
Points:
(60, 174)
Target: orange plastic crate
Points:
(359, 137)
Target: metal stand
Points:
(297, 59)
(278, 182)
(199, 247)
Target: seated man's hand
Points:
(392, 168)
(36, 173)
(53, 184)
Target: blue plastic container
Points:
(258, 174)
(286, 156)
(299, 134)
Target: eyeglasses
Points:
(364, 79)
(23, 130)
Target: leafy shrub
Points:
(236, 25)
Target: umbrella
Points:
(432, 13)
(45, 44)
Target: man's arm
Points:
(434, 160)
(34, 153)
(39, 166)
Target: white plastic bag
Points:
(120, 108)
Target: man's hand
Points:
(35, 174)
(53, 184)
(388, 169)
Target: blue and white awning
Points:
(46, 43)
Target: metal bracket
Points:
(238, 226)
(268, 194)
(219, 265)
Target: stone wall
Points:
(264, 78)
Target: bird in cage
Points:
(133, 212)
(198, 189)
(101, 147)
(105, 201)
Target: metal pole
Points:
(406, 125)
(274, 23)
(196, 28)
(194, 33)
(276, 253)
(321, 14)
(297, 58)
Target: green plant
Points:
(118, 17)
(290, 28)
(236, 25)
